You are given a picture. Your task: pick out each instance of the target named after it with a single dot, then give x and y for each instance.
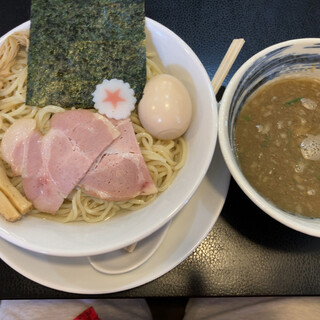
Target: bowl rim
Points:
(298, 223)
(40, 248)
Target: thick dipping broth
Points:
(277, 141)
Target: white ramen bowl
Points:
(85, 239)
(294, 57)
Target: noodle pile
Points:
(163, 158)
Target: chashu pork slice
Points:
(53, 164)
(15, 143)
(120, 173)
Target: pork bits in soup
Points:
(277, 141)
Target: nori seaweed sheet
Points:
(75, 44)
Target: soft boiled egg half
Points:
(165, 109)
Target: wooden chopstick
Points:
(226, 64)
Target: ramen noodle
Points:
(163, 158)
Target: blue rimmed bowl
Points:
(299, 57)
